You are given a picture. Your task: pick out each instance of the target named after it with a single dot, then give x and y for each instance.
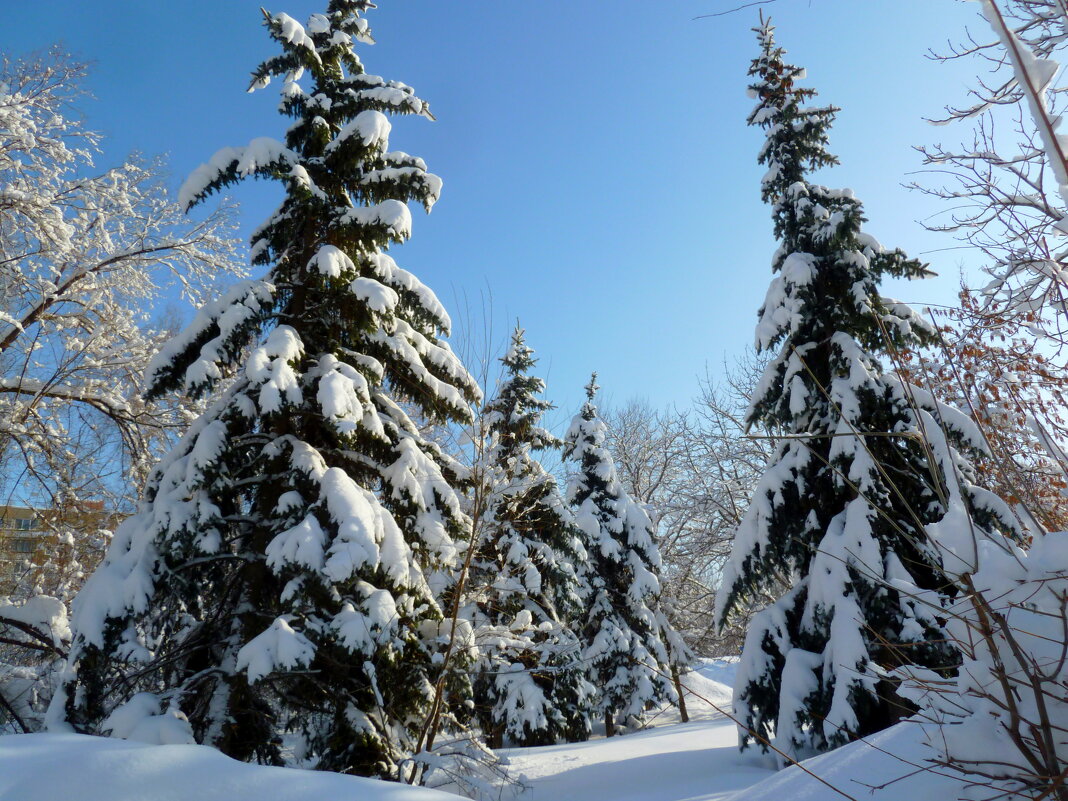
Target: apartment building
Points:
(22, 540)
(31, 537)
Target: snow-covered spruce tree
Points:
(279, 574)
(531, 687)
(625, 655)
(842, 512)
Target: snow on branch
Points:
(260, 156)
(280, 647)
(1035, 75)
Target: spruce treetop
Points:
(585, 441)
(345, 205)
(591, 389)
(825, 260)
(513, 415)
(797, 134)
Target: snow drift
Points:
(47, 767)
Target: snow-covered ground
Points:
(667, 761)
(700, 761)
(75, 767)
(887, 767)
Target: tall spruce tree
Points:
(281, 573)
(531, 686)
(843, 511)
(626, 657)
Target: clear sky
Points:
(600, 182)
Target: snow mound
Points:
(707, 690)
(696, 761)
(884, 768)
(47, 767)
(702, 692)
(719, 670)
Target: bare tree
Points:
(86, 256)
(695, 472)
(1000, 721)
(987, 365)
(1003, 185)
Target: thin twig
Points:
(736, 8)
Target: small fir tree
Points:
(283, 570)
(624, 650)
(863, 474)
(531, 686)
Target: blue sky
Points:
(600, 182)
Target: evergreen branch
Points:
(877, 462)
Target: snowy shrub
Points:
(1002, 721)
(34, 636)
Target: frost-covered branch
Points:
(1007, 189)
(86, 258)
(694, 472)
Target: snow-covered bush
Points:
(34, 637)
(1002, 721)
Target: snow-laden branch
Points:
(1034, 75)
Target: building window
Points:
(22, 546)
(24, 524)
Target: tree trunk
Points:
(682, 698)
(495, 738)
(609, 724)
